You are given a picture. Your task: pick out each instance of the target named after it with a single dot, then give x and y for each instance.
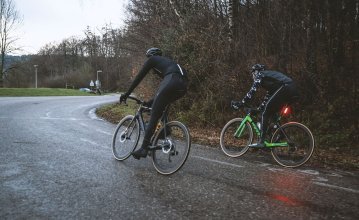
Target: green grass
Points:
(115, 112)
(41, 92)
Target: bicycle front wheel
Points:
(173, 150)
(236, 145)
(125, 138)
(300, 144)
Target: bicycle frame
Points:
(248, 118)
(139, 117)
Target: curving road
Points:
(56, 163)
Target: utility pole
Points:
(36, 75)
(98, 71)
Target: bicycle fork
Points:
(125, 135)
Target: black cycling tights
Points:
(284, 95)
(172, 87)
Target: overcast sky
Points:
(48, 21)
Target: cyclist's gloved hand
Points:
(236, 104)
(260, 108)
(123, 97)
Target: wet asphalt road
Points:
(56, 163)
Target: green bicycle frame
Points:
(241, 127)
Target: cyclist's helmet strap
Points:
(153, 52)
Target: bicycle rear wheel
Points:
(125, 138)
(236, 146)
(174, 150)
(300, 144)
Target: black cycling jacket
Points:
(269, 80)
(162, 66)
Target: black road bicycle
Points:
(170, 144)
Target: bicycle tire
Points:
(123, 146)
(233, 146)
(170, 162)
(301, 144)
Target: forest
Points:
(315, 42)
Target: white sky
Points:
(51, 21)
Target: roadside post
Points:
(92, 85)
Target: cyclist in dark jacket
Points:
(172, 87)
(280, 90)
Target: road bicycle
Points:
(291, 144)
(170, 144)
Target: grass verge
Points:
(11, 92)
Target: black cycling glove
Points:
(123, 97)
(237, 104)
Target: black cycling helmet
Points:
(258, 67)
(153, 52)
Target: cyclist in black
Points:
(172, 87)
(280, 90)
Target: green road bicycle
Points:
(291, 144)
(170, 144)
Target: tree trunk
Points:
(233, 20)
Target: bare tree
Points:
(9, 20)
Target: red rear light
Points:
(286, 111)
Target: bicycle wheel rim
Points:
(233, 146)
(170, 162)
(123, 147)
(301, 145)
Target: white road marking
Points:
(275, 169)
(335, 175)
(104, 132)
(317, 181)
(64, 119)
(336, 187)
(311, 172)
(92, 115)
(264, 164)
(93, 143)
(217, 161)
(96, 129)
(85, 125)
(320, 179)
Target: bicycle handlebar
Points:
(140, 102)
(136, 99)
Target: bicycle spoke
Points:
(174, 152)
(233, 145)
(300, 144)
(123, 142)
